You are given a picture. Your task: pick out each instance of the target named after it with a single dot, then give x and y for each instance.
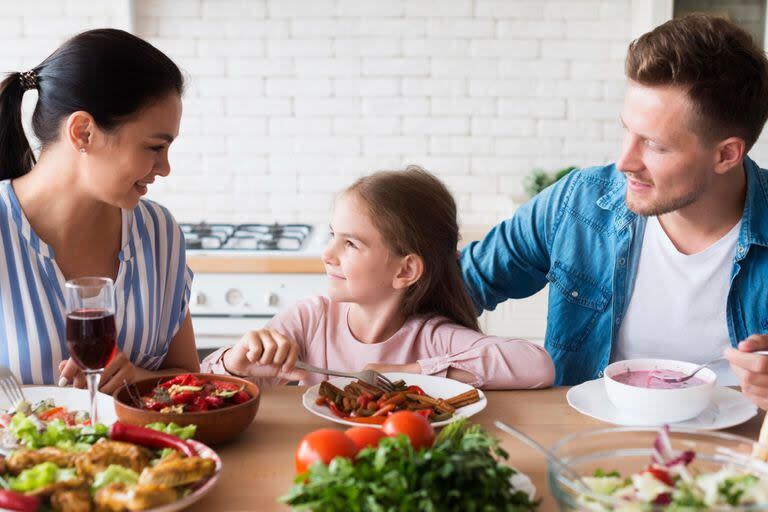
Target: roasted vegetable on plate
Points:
(362, 403)
(52, 466)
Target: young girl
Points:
(396, 300)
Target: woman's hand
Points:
(118, 370)
(266, 354)
(405, 368)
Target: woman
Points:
(108, 108)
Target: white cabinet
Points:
(518, 318)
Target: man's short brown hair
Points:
(724, 72)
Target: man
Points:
(665, 252)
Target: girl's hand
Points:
(118, 370)
(383, 368)
(264, 353)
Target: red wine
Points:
(91, 337)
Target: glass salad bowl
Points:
(718, 470)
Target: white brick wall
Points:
(289, 100)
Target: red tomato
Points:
(416, 427)
(52, 414)
(365, 436)
(323, 445)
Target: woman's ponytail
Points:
(16, 156)
(108, 73)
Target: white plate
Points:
(727, 409)
(437, 387)
(72, 398)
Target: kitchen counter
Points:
(221, 262)
(250, 264)
(258, 467)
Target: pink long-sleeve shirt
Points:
(320, 327)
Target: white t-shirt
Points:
(677, 308)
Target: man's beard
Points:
(666, 205)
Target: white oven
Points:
(245, 274)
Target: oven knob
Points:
(233, 297)
(272, 299)
(200, 299)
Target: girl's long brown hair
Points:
(416, 214)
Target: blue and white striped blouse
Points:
(151, 291)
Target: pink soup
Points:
(654, 379)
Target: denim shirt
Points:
(579, 236)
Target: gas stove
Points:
(225, 305)
(304, 239)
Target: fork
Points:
(371, 377)
(10, 386)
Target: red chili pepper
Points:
(151, 438)
(10, 500)
(240, 397)
(416, 389)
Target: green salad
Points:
(462, 471)
(670, 483)
(27, 431)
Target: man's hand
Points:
(751, 369)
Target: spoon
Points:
(696, 370)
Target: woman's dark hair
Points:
(416, 214)
(108, 73)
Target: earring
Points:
(82, 150)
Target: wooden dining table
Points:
(258, 465)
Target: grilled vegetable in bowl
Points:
(188, 393)
(214, 426)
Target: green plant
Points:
(540, 179)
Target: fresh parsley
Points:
(463, 471)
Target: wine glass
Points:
(91, 331)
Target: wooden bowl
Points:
(213, 427)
